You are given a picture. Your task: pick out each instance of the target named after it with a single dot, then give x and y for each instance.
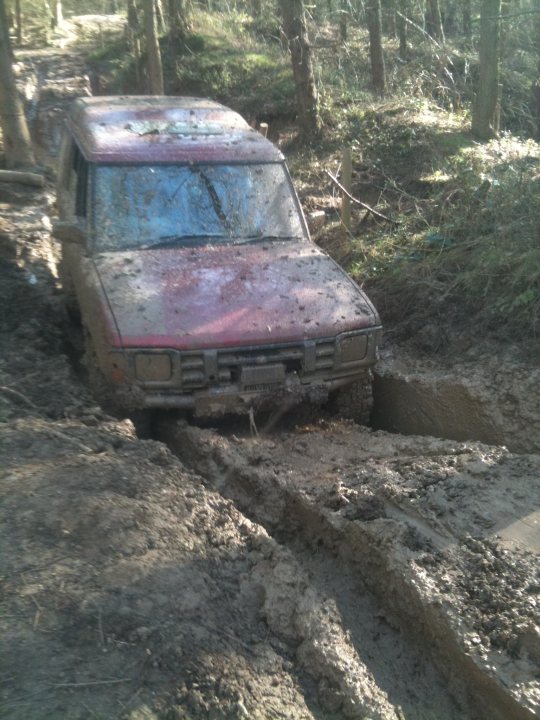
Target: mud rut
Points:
(362, 636)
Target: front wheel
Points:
(107, 396)
(355, 401)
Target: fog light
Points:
(353, 348)
(118, 375)
(153, 367)
(118, 367)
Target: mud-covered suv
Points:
(186, 251)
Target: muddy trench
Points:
(376, 561)
(398, 637)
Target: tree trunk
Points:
(160, 18)
(485, 110)
(18, 22)
(133, 38)
(535, 87)
(467, 19)
(58, 15)
(401, 28)
(433, 20)
(536, 33)
(16, 137)
(178, 19)
(295, 31)
(153, 53)
(378, 74)
(343, 19)
(256, 8)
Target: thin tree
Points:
(178, 19)
(374, 22)
(295, 30)
(535, 87)
(58, 14)
(134, 39)
(401, 28)
(343, 19)
(434, 20)
(486, 105)
(467, 18)
(18, 22)
(16, 137)
(153, 53)
(256, 8)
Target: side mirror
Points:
(68, 232)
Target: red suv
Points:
(186, 251)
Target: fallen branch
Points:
(90, 683)
(16, 395)
(417, 27)
(51, 432)
(359, 202)
(25, 178)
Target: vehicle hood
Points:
(216, 296)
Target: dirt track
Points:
(321, 572)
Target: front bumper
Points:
(234, 379)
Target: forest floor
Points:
(320, 570)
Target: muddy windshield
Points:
(145, 206)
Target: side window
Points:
(79, 181)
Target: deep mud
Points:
(444, 534)
(327, 572)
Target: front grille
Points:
(199, 369)
(325, 351)
(192, 373)
(260, 356)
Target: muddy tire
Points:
(355, 401)
(142, 419)
(71, 305)
(106, 396)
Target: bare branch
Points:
(359, 202)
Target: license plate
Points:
(265, 377)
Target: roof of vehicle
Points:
(164, 129)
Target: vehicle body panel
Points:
(171, 129)
(223, 296)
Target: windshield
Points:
(167, 205)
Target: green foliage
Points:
(225, 61)
(467, 247)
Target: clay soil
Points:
(322, 570)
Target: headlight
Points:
(153, 367)
(353, 348)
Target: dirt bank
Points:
(487, 394)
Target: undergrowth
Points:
(467, 250)
(224, 59)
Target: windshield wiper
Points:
(180, 240)
(265, 238)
